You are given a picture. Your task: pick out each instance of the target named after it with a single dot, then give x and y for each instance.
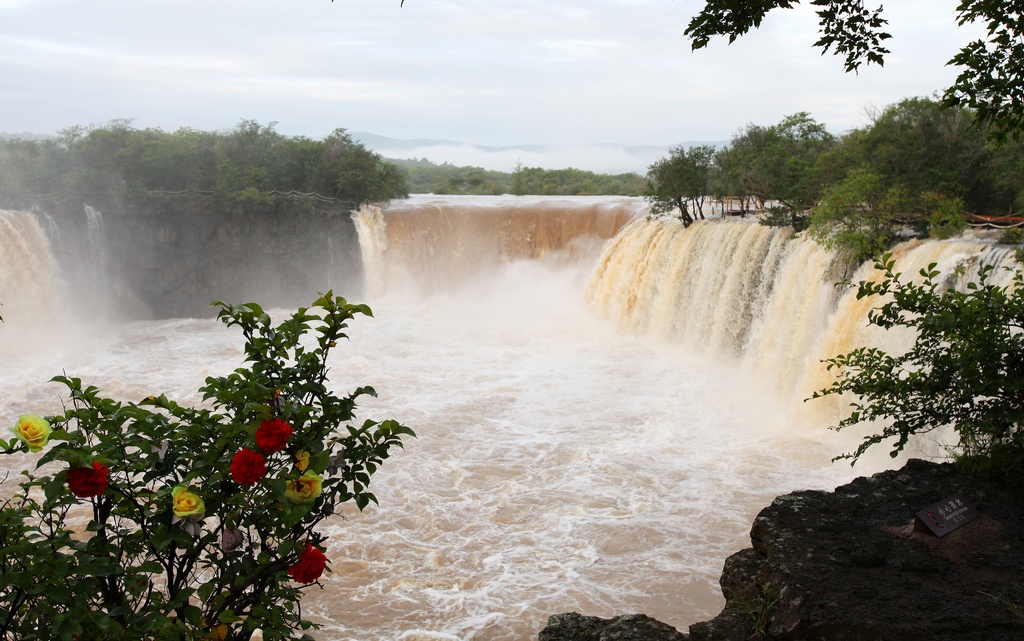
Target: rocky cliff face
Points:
(173, 256)
(849, 566)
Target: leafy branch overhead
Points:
(846, 26)
(991, 80)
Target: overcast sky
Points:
(488, 72)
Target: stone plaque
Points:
(945, 516)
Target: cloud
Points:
(499, 73)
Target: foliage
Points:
(845, 25)
(1011, 236)
(742, 165)
(760, 609)
(922, 147)
(945, 215)
(425, 177)
(681, 178)
(171, 522)
(856, 216)
(250, 164)
(783, 217)
(915, 163)
(991, 81)
(573, 182)
(781, 162)
(965, 369)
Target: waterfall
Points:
(757, 295)
(434, 244)
(563, 443)
(97, 239)
(30, 286)
(373, 241)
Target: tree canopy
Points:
(680, 179)
(425, 177)
(250, 163)
(991, 80)
(916, 165)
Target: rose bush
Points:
(173, 522)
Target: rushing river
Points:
(565, 460)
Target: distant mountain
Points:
(605, 158)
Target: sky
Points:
(497, 73)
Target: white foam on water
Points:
(560, 465)
(588, 446)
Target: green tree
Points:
(250, 164)
(924, 148)
(743, 168)
(991, 80)
(945, 215)
(965, 369)
(246, 157)
(680, 179)
(857, 216)
(517, 184)
(798, 141)
(780, 162)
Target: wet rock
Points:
(629, 627)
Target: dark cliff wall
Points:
(172, 256)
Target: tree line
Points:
(917, 163)
(251, 163)
(426, 177)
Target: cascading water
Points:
(98, 253)
(564, 462)
(30, 288)
(437, 244)
(764, 298)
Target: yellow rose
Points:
(302, 460)
(187, 503)
(32, 430)
(304, 489)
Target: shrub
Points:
(965, 369)
(946, 215)
(1011, 236)
(172, 522)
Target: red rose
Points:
(248, 467)
(310, 565)
(85, 482)
(272, 435)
